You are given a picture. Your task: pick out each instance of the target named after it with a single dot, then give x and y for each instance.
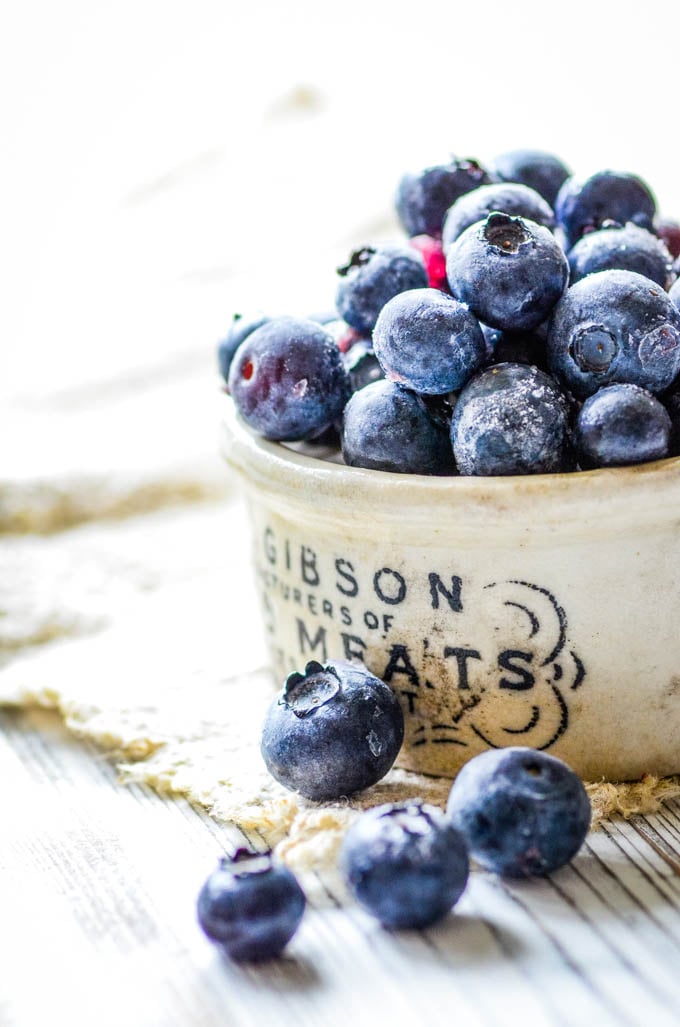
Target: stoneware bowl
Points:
(540, 610)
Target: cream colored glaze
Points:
(540, 610)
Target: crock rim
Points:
(240, 445)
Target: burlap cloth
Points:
(175, 691)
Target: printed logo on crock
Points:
(511, 688)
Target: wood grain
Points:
(98, 888)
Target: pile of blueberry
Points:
(336, 729)
(529, 324)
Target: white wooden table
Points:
(98, 891)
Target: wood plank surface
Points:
(165, 164)
(98, 891)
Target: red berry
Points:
(346, 339)
(669, 232)
(432, 253)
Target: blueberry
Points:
(539, 170)
(510, 419)
(523, 813)
(492, 337)
(605, 196)
(288, 380)
(515, 348)
(619, 425)
(250, 906)
(405, 864)
(509, 270)
(671, 402)
(674, 293)
(423, 199)
(373, 276)
(241, 328)
(504, 197)
(389, 428)
(614, 326)
(333, 730)
(362, 365)
(428, 341)
(629, 249)
(324, 446)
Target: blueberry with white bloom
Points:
(541, 171)
(510, 271)
(622, 424)
(389, 428)
(423, 198)
(674, 291)
(582, 206)
(504, 197)
(241, 327)
(405, 863)
(627, 248)
(288, 380)
(250, 906)
(373, 275)
(510, 419)
(522, 812)
(614, 326)
(428, 342)
(334, 730)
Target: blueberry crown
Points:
(358, 259)
(505, 232)
(469, 164)
(307, 692)
(413, 817)
(245, 862)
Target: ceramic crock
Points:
(541, 610)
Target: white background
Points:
(157, 172)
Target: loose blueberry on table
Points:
(405, 863)
(250, 906)
(521, 264)
(522, 813)
(334, 730)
